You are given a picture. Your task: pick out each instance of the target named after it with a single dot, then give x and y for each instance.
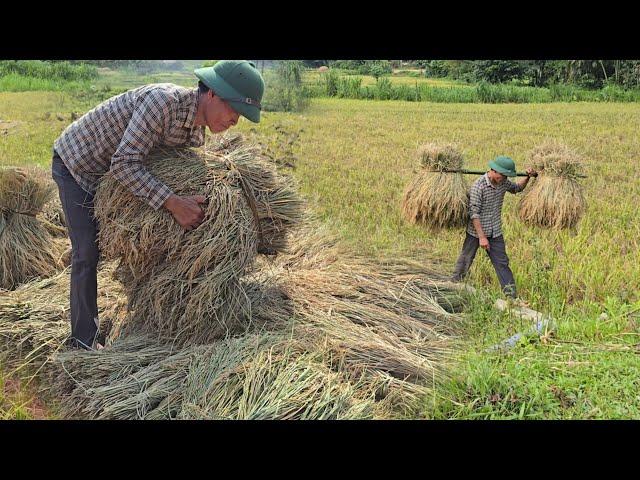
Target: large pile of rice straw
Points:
(330, 336)
(26, 247)
(186, 285)
(435, 198)
(556, 199)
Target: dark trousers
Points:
(498, 255)
(82, 227)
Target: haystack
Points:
(185, 286)
(556, 198)
(26, 247)
(435, 198)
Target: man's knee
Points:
(86, 255)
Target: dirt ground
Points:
(33, 406)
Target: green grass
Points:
(354, 159)
(123, 80)
(19, 83)
(411, 88)
(589, 369)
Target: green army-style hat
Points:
(237, 82)
(504, 165)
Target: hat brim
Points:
(499, 169)
(225, 91)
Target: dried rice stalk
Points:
(278, 382)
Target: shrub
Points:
(284, 89)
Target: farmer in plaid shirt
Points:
(116, 136)
(484, 228)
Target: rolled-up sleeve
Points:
(150, 119)
(513, 187)
(475, 201)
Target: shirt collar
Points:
(486, 177)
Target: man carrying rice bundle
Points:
(117, 136)
(484, 228)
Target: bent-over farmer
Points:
(484, 228)
(116, 136)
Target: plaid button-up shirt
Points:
(485, 203)
(118, 134)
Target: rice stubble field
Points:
(354, 159)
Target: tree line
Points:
(537, 73)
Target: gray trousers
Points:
(498, 255)
(83, 229)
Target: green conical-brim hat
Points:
(503, 165)
(237, 82)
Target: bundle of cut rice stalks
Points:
(52, 215)
(185, 286)
(434, 197)
(34, 318)
(256, 376)
(556, 199)
(26, 248)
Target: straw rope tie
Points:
(248, 195)
(8, 210)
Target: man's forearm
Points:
(478, 227)
(131, 173)
(523, 183)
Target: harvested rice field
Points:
(368, 328)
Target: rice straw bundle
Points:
(52, 214)
(26, 249)
(186, 285)
(258, 376)
(34, 319)
(79, 371)
(435, 198)
(556, 199)
(279, 382)
(126, 381)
